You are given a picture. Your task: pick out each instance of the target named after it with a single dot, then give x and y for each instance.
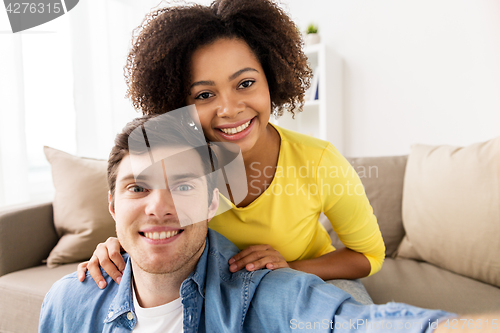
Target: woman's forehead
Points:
(225, 54)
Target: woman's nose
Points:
(230, 106)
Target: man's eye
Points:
(204, 95)
(246, 84)
(184, 188)
(136, 189)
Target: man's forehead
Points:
(174, 160)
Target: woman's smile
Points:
(233, 132)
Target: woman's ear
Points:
(214, 205)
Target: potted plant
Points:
(312, 36)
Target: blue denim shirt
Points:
(216, 300)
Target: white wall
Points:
(415, 71)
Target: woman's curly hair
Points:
(158, 66)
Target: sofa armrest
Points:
(27, 235)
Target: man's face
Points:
(147, 221)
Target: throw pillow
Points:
(451, 208)
(81, 215)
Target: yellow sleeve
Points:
(348, 209)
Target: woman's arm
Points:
(340, 264)
(350, 213)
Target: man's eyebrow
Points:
(131, 176)
(231, 77)
(187, 175)
(175, 177)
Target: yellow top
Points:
(311, 177)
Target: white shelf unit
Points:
(321, 118)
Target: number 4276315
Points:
(32, 7)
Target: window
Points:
(62, 85)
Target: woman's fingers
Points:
(246, 256)
(114, 251)
(80, 270)
(247, 251)
(108, 256)
(257, 257)
(271, 261)
(95, 272)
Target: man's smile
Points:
(160, 235)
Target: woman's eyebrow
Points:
(202, 83)
(231, 77)
(238, 73)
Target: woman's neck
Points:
(260, 165)
(266, 149)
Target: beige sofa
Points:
(27, 235)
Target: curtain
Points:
(62, 85)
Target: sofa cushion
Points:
(383, 179)
(425, 285)
(81, 215)
(451, 208)
(22, 296)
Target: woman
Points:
(237, 62)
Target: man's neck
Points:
(158, 289)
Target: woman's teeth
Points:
(161, 235)
(235, 130)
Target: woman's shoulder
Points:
(296, 138)
(307, 144)
(300, 148)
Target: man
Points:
(162, 196)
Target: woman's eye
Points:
(246, 84)
(204, 95)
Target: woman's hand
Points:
(256, 257)
(108, 255)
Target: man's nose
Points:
(230, 106)
(160, 203)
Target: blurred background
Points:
(414, 71)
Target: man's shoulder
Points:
(71, 304)
(220, 245)
(300, 297)
(288, 286)
(288, 277)
(69, 285)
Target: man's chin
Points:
(157, 267)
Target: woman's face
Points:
(230, 91)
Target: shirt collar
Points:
(123, 301)
(198, 276)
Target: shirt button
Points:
(110, 314)
(130, 316)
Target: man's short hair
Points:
(162, 130)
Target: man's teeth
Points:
(161, 235)
(235, 130)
